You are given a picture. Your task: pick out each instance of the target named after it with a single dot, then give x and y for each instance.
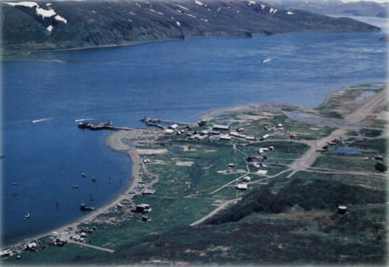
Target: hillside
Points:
(336, 7)
(81, 24)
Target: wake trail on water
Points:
(41, 120)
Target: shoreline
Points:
(4, 55)
(19, 52)
(22, 52)
(88, 218)
(113, 141)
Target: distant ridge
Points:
(80, 24)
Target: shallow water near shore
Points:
(175, 80)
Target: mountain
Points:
(81, 24)
(336, 7)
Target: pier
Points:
(101, 126)
(161, 124)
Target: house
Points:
(236, 134)
(142, 208)
(212, 132)
(263, 150)
(225, 137)
(148, 192)
(292, 136)
(261, 172)
(266, 136)
(59, 242)
(256, 165)
(83, 234)
(169, 131)
(173, 126)
(246, 179)
(202, 123)
(204, 132)
(342, 209)
(247, 137)
(242, 186)
(198, 137)
(146, 218)
(231, 165)
(6, 253)
(267, 128)
(254, 159)
(32, 246)
(379, 157)
(220, 127)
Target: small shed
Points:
(242, 186)
(220, 127)
(261, 172)
(342, 209)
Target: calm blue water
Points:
(174, 80)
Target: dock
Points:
(161, 124)
(101, 126)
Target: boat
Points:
(27, 216)
(95, 126)
(82, 120)
(266, 60)
(40, 120)
(84, 207)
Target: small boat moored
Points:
(84, 207)
(27, 216)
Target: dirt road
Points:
(215, 211)
(357, 116)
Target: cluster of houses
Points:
(255, 163)
(6, 253)
(57, 241)
(203, 130)
(243, 183)
(215, 132)
(30, 246)
(80, 237)
(143, 209)
(222, 132)
(333, 142)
